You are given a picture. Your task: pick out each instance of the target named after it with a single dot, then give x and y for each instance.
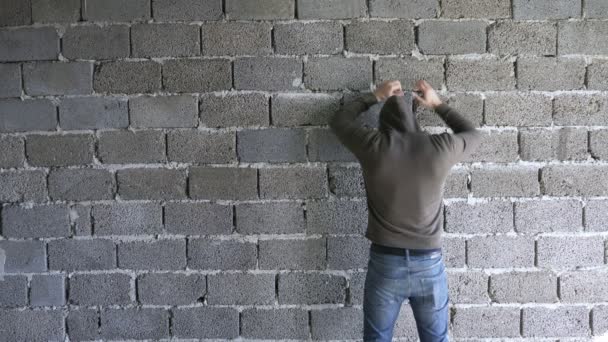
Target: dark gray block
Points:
(490, 217)
(206, 322)
(347, 252)
(269, 218)
(100, 289)
(272, 145)
(236, 39)
(260, 9)
(324, 146)
(223, 183)
(267, 73)
(24, 256)
(47, 290)
(546, 9)
(13, 291)
(196, 146)
(51, 11)
(308, 38)
(18, 325)
(135, 323)
(127, 219)
(81, 255)
(452, 37)
(334, 73)
(35, 222)
(241, 289)
(93, 42)
(336, 217)
(409, 9)
(409, 70)
(127, 77)
(17, 186)
(116, 10)
(187, 10)
(13, 154)
(93, 113)
(311, 288)
(16, 13)
(331, 9)
(60, 150)
(491, 9)
(128, 147)
(293, 182)
(185, 40)
(151, 183)
(212, 254)
(198, 218)
(83, 324)
(293, 254)
(529, 38)
(395, 37)
(274, 323)
(234, 110)
(582, 37)
(303, 109)
(29, 44)
(27, 115)
(171, 288)
(550, 73)
(10, 80)
(58, 78)
(164, 111)
(330, 324)
(485, 73)
(197, 75)
(575, 180)
(152, 255)
(93, 184)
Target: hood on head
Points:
(398, 114)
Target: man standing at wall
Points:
(404, 169)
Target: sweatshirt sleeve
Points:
(465, 139)
(356, 136)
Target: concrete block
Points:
(378, 37)
(80, 113)
(496, 146)
(127, 219)
(596, 214)
(269, 218)
(50, 11)
(196, 146)
(198, 218)
(260, 9)
(452, 37)
(559, 252)
(583, 286)
(100, 289)
(559, 321)
(480, 74)
(148, 183)
(26, 185)
(518, 109)
(497, 321)
(331, 9)
(16, 13)
(334, 73)
(582, 37)
(10, 80)
(13, 150)
(456, 184)
(127, 77)
(81, 255)
(135, 323)
(454, 251)
(548, 216)
(13, 291)
(508, 181)
(36, 222)
(58, 78)
(49, 325)
(488, 217)
(308, 38)
(235, 109)
(171, 288)
(241, 289)
(323, 145)
(293, 182)
(47, 290)
(596, 9)
(346, 181)
(28, 43)
(80, 217)
(468, 105)
(261, 323)
(83, 324)
(223, 183)
(597, 75)
(27, 115)
(59, 150)
(303, 109)
(274, 145)
(581, 110)
(408, 70)
(356, 285)
(237, 38)
(158, 254)
(293, 254)
(336, 217)
(347, 252)
(116, 10)
(409, 9)
(546, 9)
(267, 73)
(489, 251)
(575, 180)
(205, 322)
(522, 38)
(197, 75)
(164, 111)
(468, 287)
(491, 9)
(95, 184)
(187, 10)
(336, 323)
(25, 256)
(213, 254)
(561, 144)
(131, 147)
(94, 42)
(524, 287)
(185, 40)
(540, 73)
(311, 288)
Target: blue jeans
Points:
(393, 278)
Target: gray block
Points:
(548, 216)
(83, 324)
(13, 151)
(127, 77)
(599, 319)
(308, 38)
(334, 73)
(100, 289)
(409, 70)
(50, 11)
(29, 43)
(561, 144)
(198, 218)
(311, 288)
(346, 181)
(260, 9)
(558, 321)
(60, 150)
(496, 146)
(127, 219)
(260, 323)
(293, 182)
(267, 73)
(197, 75)
(596, 9)
(269, 218)
(524, 287)
(241, 289)
(292, 254)
(81, 255)
(497, 321)
(468, 287)
(131, 147)
(523, 38)
(10, 80)
(546, 9)
(582, 37)
(25, 256)
(13, 291)
(274, 145)
(116, 10)
(324, 146)
(303, 109)
(205, 322)
(569, 252)
(201, 147)
(347, 252)
(378, 37)
(212, 254)
(184, 38)
(583, 287)
(597, 75)
(18, 186)
(94, 42)
(579, 110)
(58, 78)
(452, 37)
(356, 288)
(152, 255)
(236, 38)
(164, 111)
(18, 326)
(134, 323)
(469, 105)
(36, 222)
(508, 181)
(492, 9)
(223, 183)
(454, 251)
(186, 10)
(47, 290)
(80, 216)
(27, 115)
(331, 9)
(336, 323)
(488, 217)
(575, 180)
(409, 9)
(540, 73)
(456, 184)
(336, 217)
(93, 113)
(234, 110)
(518, 109)
(488, 251)
(93, 184)
(480, 74)
(16, 13)
(596, 214)
(171, 288)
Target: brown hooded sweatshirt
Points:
(404, 168)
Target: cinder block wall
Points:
(167, 170)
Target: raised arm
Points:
(466, 137)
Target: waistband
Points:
(401, 251)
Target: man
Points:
(404, 170)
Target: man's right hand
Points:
(387, 89)
(429, 98)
